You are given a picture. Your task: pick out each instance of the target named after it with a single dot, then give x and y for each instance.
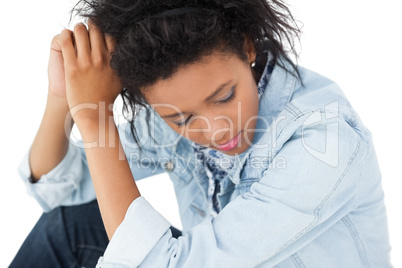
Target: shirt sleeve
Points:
(56, 185)
(281, 213)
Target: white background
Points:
(356, 43)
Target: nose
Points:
(216, 129)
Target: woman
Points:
(271, 165)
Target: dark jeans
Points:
(70, 237)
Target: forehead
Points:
(191, 84)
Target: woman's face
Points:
(210, 102)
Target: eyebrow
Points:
(216, 92)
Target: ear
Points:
(250, 49)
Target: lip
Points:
(230, 144)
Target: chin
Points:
(235, 151)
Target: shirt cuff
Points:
(133, 240)
(55, 186)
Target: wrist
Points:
(93, 124)
(91, 112)
(57, 103)
(58, 111)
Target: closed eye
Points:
(183, 123)
(230, 98)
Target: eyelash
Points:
(231, 97)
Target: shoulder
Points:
(315, 128)
(312, 100)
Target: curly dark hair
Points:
(152, 43)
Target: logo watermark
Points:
(270, 127)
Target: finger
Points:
(110, 43)
(97, 40)
(67, 47)
(82, 41)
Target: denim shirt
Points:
(307, 193)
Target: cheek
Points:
(249, 109)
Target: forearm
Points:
(51, 141)
(90, 83)
(111, 175)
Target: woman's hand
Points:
(90, 81)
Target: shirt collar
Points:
(276, 95)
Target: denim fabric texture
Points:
(307, 193)
(67, 236)
(72, 237)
